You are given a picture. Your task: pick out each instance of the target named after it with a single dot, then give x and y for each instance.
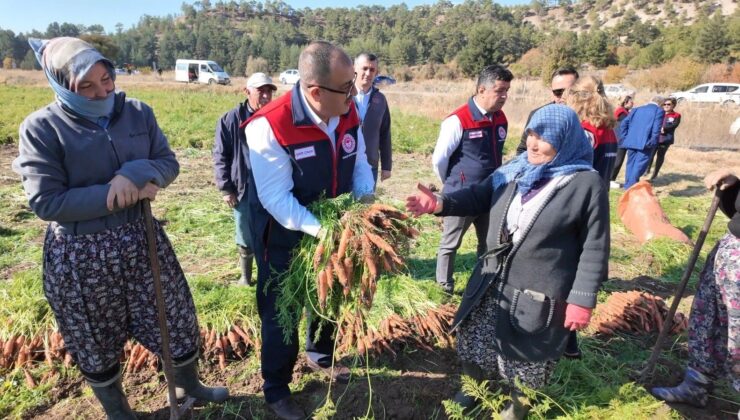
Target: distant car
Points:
(719, 93)
(384, 80)
(289, 77)
(120, 70)
(617, 91)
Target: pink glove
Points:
(577, 317)
(423, 203)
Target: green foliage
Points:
(561, 51)
(492, 43)
(712, 43)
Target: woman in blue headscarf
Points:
(548, 247)
(86, 160)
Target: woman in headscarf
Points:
(548, 247)
(86, 161)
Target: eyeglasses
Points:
(347, 93)
(558, 92)
(668, 104)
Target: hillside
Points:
(585, 15)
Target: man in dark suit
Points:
(640, 132)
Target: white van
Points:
(200, 71)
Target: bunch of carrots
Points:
(338, 274)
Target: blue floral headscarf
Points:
(65, 62)
(559, 126)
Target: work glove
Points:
(577, 317)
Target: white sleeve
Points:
(450, 135)
(273, 177)
(362, 176)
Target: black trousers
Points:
(277, 357)
(658, 158)
(621, 153)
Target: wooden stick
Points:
(668, 324)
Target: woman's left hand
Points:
(577, 317)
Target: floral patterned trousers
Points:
(714, 324)
(101, 290)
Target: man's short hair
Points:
(658, 99)
(565, 71)
(490, 74)
(366, 56)
(314, 63)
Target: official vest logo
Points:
(348, 143)
(501, 132)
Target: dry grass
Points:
(702, 124)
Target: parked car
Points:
(120, 70)
(720, 93)
(617, 90)
(384, 80)
(289, 77)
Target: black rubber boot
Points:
(474, 371)
(111, 397)
(246, 256)
(517, 408)
(186, 377)
(693, 390)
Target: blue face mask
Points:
(98, 111)
(91, 109)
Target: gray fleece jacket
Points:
(66, 162)
(562, 258)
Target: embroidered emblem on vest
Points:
(348, 143)
(475, 134)
(501, 133)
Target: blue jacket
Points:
(641, 129)
(230, 152)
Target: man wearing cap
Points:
(231, 163)
(375, 117)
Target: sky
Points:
(25, 16)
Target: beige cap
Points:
(258, 80)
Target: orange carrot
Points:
(349, 268)
(318, 255)
(322, 288)
(343, 241)
(30, 382)
(339, 269)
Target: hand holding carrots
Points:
(424, 203)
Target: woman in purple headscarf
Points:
(86, 161)
(548, 247)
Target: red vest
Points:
(480, 150)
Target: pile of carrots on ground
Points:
(635, 312)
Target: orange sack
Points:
(640, 211)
